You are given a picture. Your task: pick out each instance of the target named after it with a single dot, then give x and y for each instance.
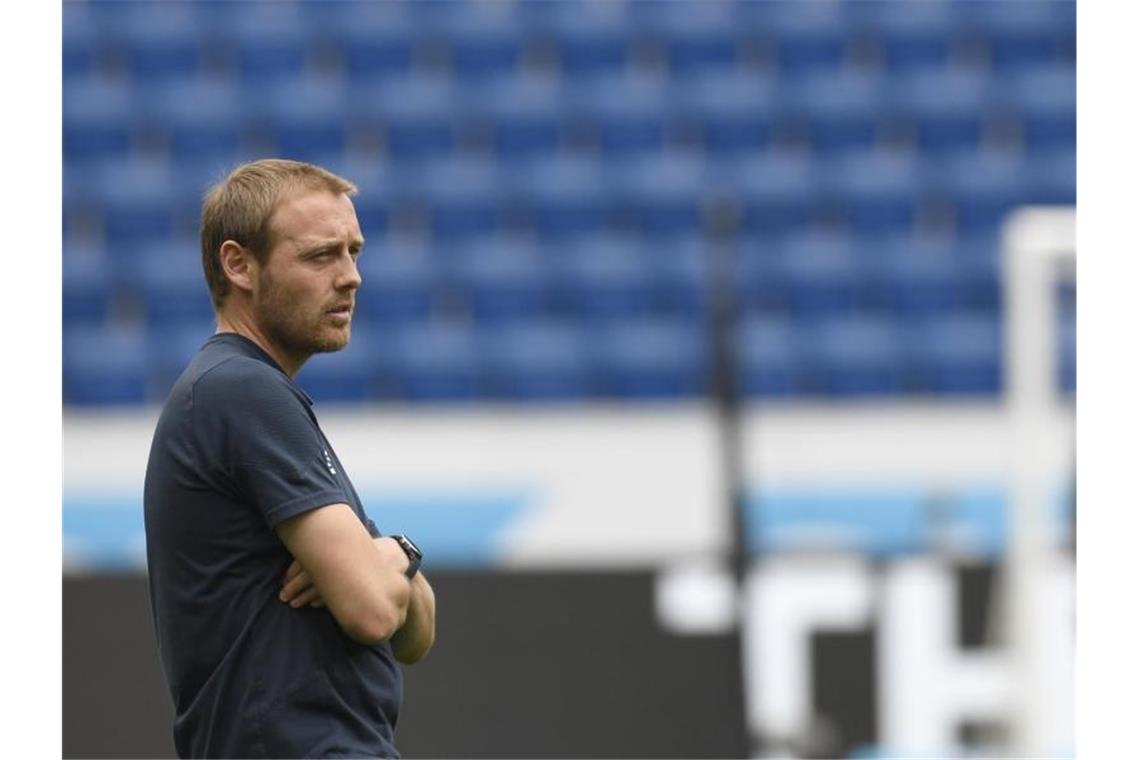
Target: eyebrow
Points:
(317, 246)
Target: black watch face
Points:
(413, 546)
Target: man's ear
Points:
(238, 264)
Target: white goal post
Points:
(1038, 252)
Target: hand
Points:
(393, 553)
(297, 588)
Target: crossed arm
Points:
(360, 579)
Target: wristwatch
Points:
(415, 556)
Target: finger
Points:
(292, 571)
(299, 583)
(318, 603)
(305, 597)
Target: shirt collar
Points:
(254, 351)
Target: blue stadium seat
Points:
(306, 116)
(432, 361)
(98, 118)
(87, 291)
(762, 277)
(463, 196)
(696, 37)
(664, 194)
(629, 113)
(946, 108)
(168, 273)
(538, 360)
(850, 355)
(415, 115)
(806, 36)
(105, 365)
(958, 353)
(591, 38)
(983, 186)
(524, 114)
(349, 375)
(504, 279)
(1021, 34)
(162, 41)
(767, 350)
(1051, 177)
(564, 196)
(778, 191)
(678, 275)
(601, 277)
(375, 40)
(822, 275)
(398, 283)
(653, 358)
(837, 110)
(1045, 100)
(171, 346)
(141, 199)
(484, 41)
(82, 48)
(877, 191)
(917, 277)
(734, 110)
(266, 41)
(909, 35)
(202, 117)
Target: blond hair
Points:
(239, 208)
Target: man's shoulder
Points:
(234, 379)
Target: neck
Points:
(247, 327)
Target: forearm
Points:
(413, 640)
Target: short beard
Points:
(279, 319)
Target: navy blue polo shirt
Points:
(237, 450)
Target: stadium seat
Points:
(908, 35)
(415, 115)
(878, 192)
(805, 36)
(777, 190)
(141, 199)
(432, 361)
(306, 116)
(504, 279)
(767, 351)
(170, 348)
(200, 118)
(563, 196)
(601, 277)
(678, 275)
(168, 274)
(696, 37)
(957, 354)
(1051, 177)
(983, 186)
(99, 118)
(822, 275)
(653, 358)
(945, 108)
(664, 194)
(837, 110)
(916, 277)
(483, 41)
(105, 365)
(162, 41)
(265, 41)
(376, 41)
(733, 111)
(1044, 98)
(629, 114)
(592, 39)
(537, 360)
(87, 291)
(1021, 34)
(398, 282)
(461, 195)
(524, 114)
(850, 355)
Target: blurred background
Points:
(685, 350)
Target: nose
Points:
(350, 278)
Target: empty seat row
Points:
(642, 358)
(268, 40)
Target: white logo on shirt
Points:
(328, 462)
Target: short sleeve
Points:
(258, 432)
(372, 529)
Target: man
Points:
(279, 608)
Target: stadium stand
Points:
(537, 180)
